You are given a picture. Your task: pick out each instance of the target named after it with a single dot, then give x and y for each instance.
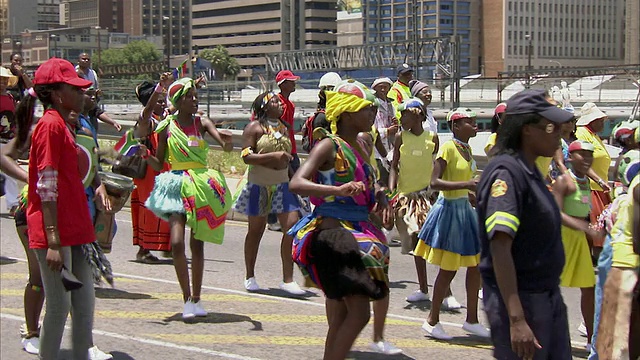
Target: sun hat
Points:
(55, 71)
(6, 73)
(382, 80)
(417, 86)
(403, 68)
(285, 75)
(329, 79)
(588, 113)
(460, 113)
(581, 145)
(534, 101)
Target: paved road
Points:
(140, 317)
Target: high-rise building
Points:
(21, 15)
(170, 19)
(248, 29)
(632, 32)
(552, 33)
(107, 14)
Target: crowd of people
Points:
(537, 218)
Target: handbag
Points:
(129, 162)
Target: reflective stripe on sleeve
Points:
(502, 218)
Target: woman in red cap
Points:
(57, 234)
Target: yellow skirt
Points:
(578, 268)
(447, 260)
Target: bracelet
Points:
(159, 89)
(246, 152)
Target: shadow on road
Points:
(7, 261)
(217, 318)
(401, 284)
(107, 293)
(117, 355)
(374, 356)
(469, 341)
(157, 262)
(283, 294)
(426, 305)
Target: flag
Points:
(127, 145)
(180, 71)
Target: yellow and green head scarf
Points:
(348, 96)
(178, 89)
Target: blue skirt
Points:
(452, 225)
(259, 200)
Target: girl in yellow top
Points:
(449, 237)
(414, 149)
(573, 195)
(590, 123)
(496, 121)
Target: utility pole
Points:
(416, 50)
(529, 53)
(167, 43)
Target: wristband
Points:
(159, 89)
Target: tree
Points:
(136, 52)
(225, 65)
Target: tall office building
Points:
(393, 20)
(632, 32)
(107, 14)
(169, 19)
(248, 29)
(32, 15)
(552, 33)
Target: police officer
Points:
(522, 254)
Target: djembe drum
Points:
(119, 188)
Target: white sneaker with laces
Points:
(31, 345)
(292, 288)
(582, 329)
(476, 329)
(97, 354)
(436, 331)
(384, 347)
(199, 310)
(189, 311)
(450, 303)
(251, 284)
(417, 296)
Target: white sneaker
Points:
(275, 226)
(476, 329)
(31, 345)
(582, 329)
(417, 296)
(292, 288)
(199, 310)
(480, 294)
(97, 354)
(189, 311)
(436, 332)
(251, 284)
(384, 347)
(450, 303)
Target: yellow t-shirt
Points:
(491, 142)
(601, 158)
(543, 163)
(622, 232)
(416, 161)
(458, 169)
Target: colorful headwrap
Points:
(410, 104)
(629, 166)
(348, 96)
(178, 89)
(460, 113)
(581, 145)
(267, 97)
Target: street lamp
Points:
(54, 37)
(167, 43)
(529, 53)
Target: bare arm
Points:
(562, 187)
(505, 271)
(602, 182)
(106, 119)
(252, 132)
(157, 161)
(380, 147)
(209, 127)
(438, 184)
(8, 163)
(558, 157)
(395, 163)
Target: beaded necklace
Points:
(464, 148)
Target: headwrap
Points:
(417, 86)
(460, 113)
(178, 89)
(629, 166)
(144, 90)
(267, 97)
(581, 145)
(348, 96)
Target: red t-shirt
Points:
(289, 110)
(52, 144)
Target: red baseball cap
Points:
(285, 75)
(55, 71)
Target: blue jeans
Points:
(604, 265)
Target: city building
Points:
(21, 15)
(107, 14)
(632, 32)
(248, 29)
(168, 19)
(552, 33)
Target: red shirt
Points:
(289, 110)
(53, 145)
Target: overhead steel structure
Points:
(439, 53)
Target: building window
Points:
(85, 38)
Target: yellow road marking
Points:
(25, 276)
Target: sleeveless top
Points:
(273, 139)
(578, 204)
(416, 153)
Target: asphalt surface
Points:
(141, 317)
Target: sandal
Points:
(147, 258)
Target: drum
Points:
(119, 188)
(87, 158)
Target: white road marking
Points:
(192, 349)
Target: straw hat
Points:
(588, 113)
(4, 72)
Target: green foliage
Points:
(135, 52)
(224, 64)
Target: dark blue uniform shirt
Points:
(514, 199)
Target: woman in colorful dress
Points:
(449, 236)
(414, 148)
(150, 233)
(589, 124)
(267, 151)
(338, 247)
(190, 194)
(572, 193)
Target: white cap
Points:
(382, 80)
(329, 79)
